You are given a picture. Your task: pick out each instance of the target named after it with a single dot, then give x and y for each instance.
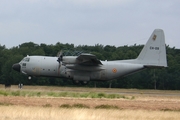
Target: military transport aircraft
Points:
(86, 67)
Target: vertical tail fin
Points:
(154, 52)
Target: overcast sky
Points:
(88, 22)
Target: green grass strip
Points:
(60, 94)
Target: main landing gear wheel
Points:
(75, 82)
(84, 82)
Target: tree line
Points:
(164, 78)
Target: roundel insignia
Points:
(114, 70)
(154, 37)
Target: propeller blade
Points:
(60, 56)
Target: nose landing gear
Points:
(29, 77)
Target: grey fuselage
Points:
(49, 67)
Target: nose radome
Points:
(16, 67)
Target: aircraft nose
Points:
(16, 67)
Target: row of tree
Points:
(166, 78)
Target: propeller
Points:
(60, 56)
(60, 59)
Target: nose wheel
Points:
(29, 77)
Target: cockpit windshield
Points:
(26, 59)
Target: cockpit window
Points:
(26, 59)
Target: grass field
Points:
(68, 103)
(51, 113)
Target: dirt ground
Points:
(92, 103)
(156, 101)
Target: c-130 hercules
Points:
(86, 67)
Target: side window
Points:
(24, 64)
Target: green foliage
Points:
(4, 93)
(101, 95)
(167, 78)
(65, 106)
(78, 105)
(82, 106)
(106, 107)
(5, 104)
(60, 94)
(47, 105)
(15, 93)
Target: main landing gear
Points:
(76, 82)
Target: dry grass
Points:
(145, 105)
(52, 113)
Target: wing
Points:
(88, 59)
